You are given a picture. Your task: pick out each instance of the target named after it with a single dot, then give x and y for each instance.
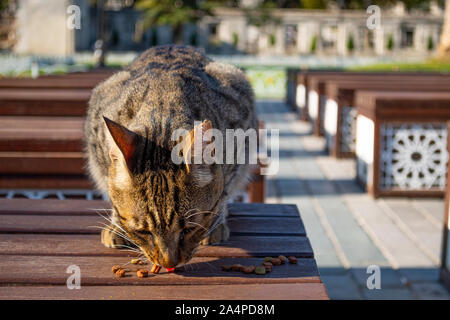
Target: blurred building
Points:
(41, 28)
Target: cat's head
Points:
(164, 208)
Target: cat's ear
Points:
(124, 143)
(193, 156)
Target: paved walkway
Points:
(350, 231)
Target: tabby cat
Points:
(163, 208)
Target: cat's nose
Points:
(168, 261)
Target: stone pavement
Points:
(349, 230)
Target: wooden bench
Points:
(291, 86)
(46, 153)
(316, 89)
(340, 114)
(401, 142)
(44, 102)
(299, 98)
(40, 239)
(41, 130)
(297, 83)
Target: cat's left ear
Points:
(124, 143)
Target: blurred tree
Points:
(350, 44)
(444, 44)
(262, 15)
(313, 44)
(314, 4)
(175, 13)
(390, 43)
(430, 43)
(3, 4)
(8, 34)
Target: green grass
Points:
(428, 66)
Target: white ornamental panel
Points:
(413, 156)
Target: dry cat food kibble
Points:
(276, 261)
(120, 273)
(236, 267)
(155, 269)
(248, 269)
(293, 260)
(142, 273)
(136, 261)
(114, 269)
(267, 265)
(226, 267)
(260, 270)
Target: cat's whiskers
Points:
(116, 232)
(123, 234)
(213, 227)
(110, 220)
(197, 224)
(200, 212)
(195, 213)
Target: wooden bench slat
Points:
(92, 207)
(44, 102)
(263, 210)
(45, 181)
(279, 291)
(41, 134)
(20, 124)
(52, 207)
(90, 245)
(266, 226)
(90, 224)
(97, 270)
(58, 83)
(42, 162)
(44, 94)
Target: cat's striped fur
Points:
(165, 209)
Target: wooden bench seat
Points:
(298, 83)
(401, 142)
(316, 90)
(57, 134)
(46, 153)
(340, 113)
(44, 102)
(60, 82)
(39, 239)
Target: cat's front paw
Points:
(221, 233)
(111, 239)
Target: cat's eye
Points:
(185, 231)
(188, 230)
(143, 232)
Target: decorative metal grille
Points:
(347, 129)
(86, 194)
(413, 156)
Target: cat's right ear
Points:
(122, 147)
